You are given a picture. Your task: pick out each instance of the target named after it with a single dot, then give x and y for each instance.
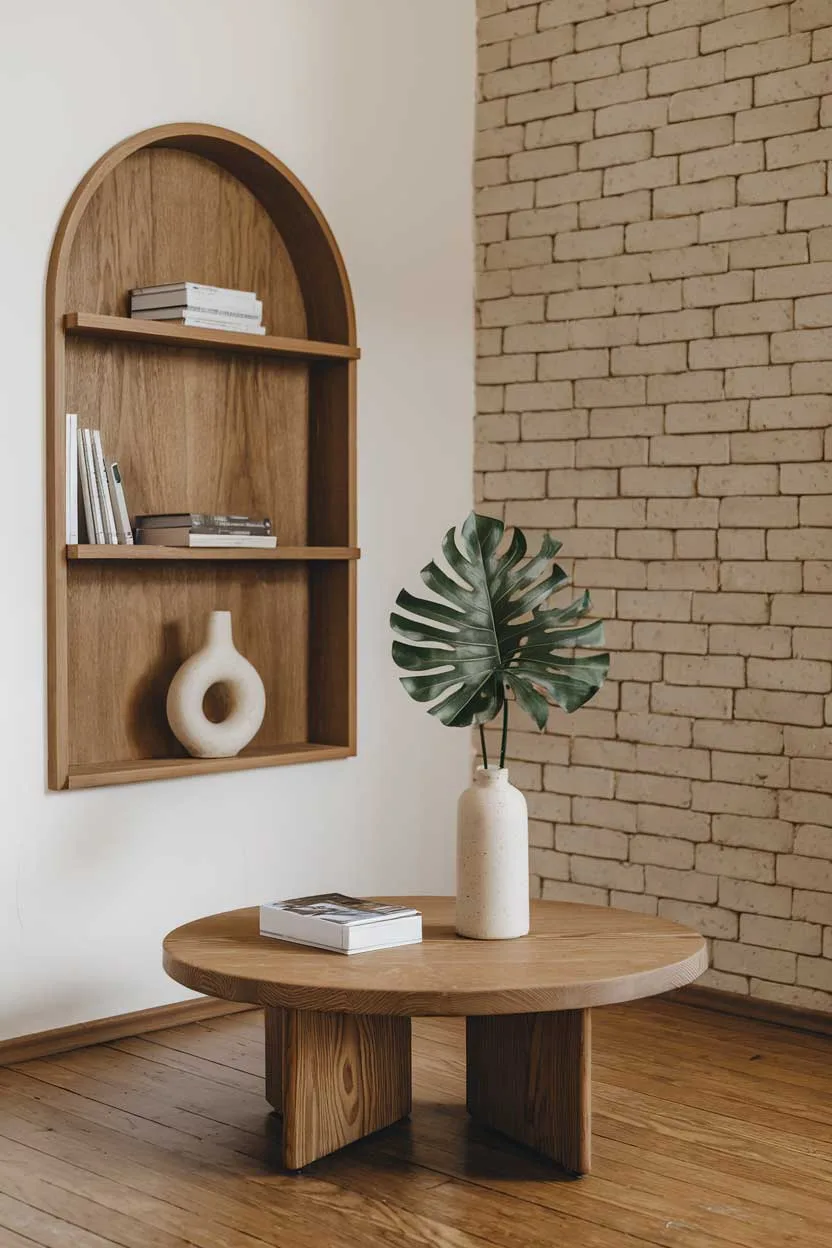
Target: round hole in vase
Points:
(241, 694)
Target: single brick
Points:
(770, 835)
(812, 311)
(604, 93)
(611, 452)
(541, 47)
(611, 422)
(597, 63)
(769, 316)
(745, 28)
(613, 270)
(695, 544)
(585, 244)
(562, 127)
(605, 331)
(618, 28)
(767, 56)
(712, 703)
(698, 71)
(610, 392)
(603, 813)
(792, 84)
(631, 116)
(812, 841)
(519, 252)
(812, 378)
(738, 864)
(717, 670)
(679, 638)
(555, 890)
(777, 707)
(568, 189)
(666, 790)
(493, 199)
(649, 297)
(659, 821)
(753, 383)
(751, 898)
(683, 885)
(627, 876)
(582, 483)
(538, 396)
(671, 327)
(809, 14)
(560, 12)
(692, 197)
(660, 235)
(493, 370)
(775, 964)
(532, 105)
(762, 253)
(809, 873)
(763, 188)
(799, 149)
(808, 214)
(562, 365)
(751, 769)
(749, 349)
(693, 418)
(515, 484)
(777, 119)
(541, 514)
(516, 81)
(806, 411)
(689, 262)
(615, 209)
(721, 162)
(662, 851)
(710, 101)
(688, 513)
(667, 760)
(742, 544)
(729, 223)
(520, 338)
(506, 25)
(658, 49)
(661, 171)
(806, 478)
(513, 311)
(810, 544)
(723, 608)
(591, 841)
(597, 302)
(708, 920)
(542, 162)
(689, 136)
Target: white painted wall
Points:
(370, 102)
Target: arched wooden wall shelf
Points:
(201, 420)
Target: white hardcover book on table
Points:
(97, 536)
(193, 293)
(107, 513)
(114, 480)
(341, 924)
(72, 479)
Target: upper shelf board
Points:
(91, 325)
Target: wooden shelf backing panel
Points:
(131, 626)
(204, 554)
(162, 333)
(193, 431)
(134, 771)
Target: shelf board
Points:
(94, 775)
(286, 554)
(162, 333)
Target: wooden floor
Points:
(708, 1130)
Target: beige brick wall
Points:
(655, 372)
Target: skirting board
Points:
(793, 1016)
(100, 1030)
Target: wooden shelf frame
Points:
(156, 554)
(287, 400)
(91, 325)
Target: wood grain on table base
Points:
(335, 1078)
(528, 1076)
(575, 957)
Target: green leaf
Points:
(489, 629)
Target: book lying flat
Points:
(186, 537)
(341, 924)
(201, 521)
(169, 311)
(206, 322)
(179, 312)
(194, 293)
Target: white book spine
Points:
(205, 322)
(194, 292)
(84, 479)
(125, 532)
(72, 479)
(107, 513)
(98, 520)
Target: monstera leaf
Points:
(489, 629)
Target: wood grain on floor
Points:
(708, 1131)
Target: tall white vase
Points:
(218, 662)
(492, 885)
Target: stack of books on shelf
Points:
(199, 529)
(341, 924)
(202, 307)
(101, 490)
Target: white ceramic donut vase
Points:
(218, 662)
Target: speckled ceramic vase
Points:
(492, 873)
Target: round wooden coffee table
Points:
(338, 1028)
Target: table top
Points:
(574, 957)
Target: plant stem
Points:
(505, 735)
(482, 745)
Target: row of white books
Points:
(342, 924)
(93, 482)
(199, 306)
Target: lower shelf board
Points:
(289, 554)
(132, 771)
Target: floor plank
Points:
(709, 1131)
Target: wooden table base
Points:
(335, 1078)
(528, 1076)
(338, 1077)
